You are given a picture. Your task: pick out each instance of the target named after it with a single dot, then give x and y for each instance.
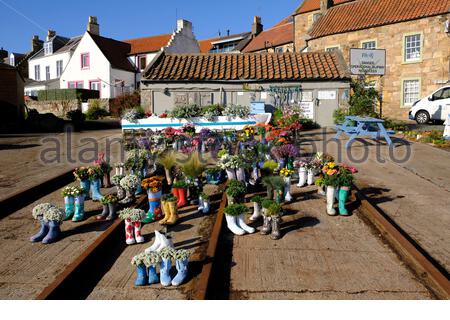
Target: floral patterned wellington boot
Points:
(129, 236)
(137, 232)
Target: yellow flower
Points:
(331, 165)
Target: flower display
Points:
(133, 215)
(54, 214)
(167, 253)
(189, 129)
(116, 179)
(109, 199)
(181, 254)
(39, 211)
(151, 259)
(153, 184)
(95, 172)
(237, 111)
(103, 163)
(330, 174)
(72, 191)
(138, 259)
(285, 151)
(133, 116)
(286, 172)
(231, 162)
(81, 173)
(130, 182)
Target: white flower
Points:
(54, 214)
(181, 255)
(134, 215)
(130, 182)
(167, 253)
(138, 260)
(41, 209)
(151, 259)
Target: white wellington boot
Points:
(241, 223)
(301, 177)
(165, 243)
(156, 244)
(231, 223)
(256, 212)
(330, 201)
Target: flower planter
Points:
(287, 189)
(330, 200)
(310, 177)
(343, 195)
(69, 205)
(231, 174)
(240, 175)
(302, 177)
(154, 212)
(79, 208)
(86, 185)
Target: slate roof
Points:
(60, 45)
(273, 37)
(313, 5)
(115, 51)
(148, 44)
(365, 14)
(246, 67)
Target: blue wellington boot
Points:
(79, 209)
(152, 275)
(69, 205)
(182, 268)
(86, 185)
(166, 264)
(95, 188)
(42, 232)
(141, 279)
(343, 195)
(53, 233)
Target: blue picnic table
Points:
(364, 127)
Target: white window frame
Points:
(37, 72)
(332, 48)
(59, 68)
(405, 104)
(405, 47)
(47, 73)
(48, 48)
(369, 41)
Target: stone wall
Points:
(432, 70)
(302, 23)
(58, 108)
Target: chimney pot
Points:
(325, 5)
(257, 26)
(93, 26)
(50, 34)
(183, 25)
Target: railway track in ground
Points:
(82, 275)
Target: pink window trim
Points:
(100, 85)
(75, 82)
(88, 61)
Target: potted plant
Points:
(82, 175)
(257, 208)
(141, 270)
(214, 175)
(234, 215)
(320, 186)
(120, 169)
(269, 167)
(151, 260)
(179, 190)
(169, 205)
(120, 191)
(168, 161)
(153, 186)
(38, 214)
(181, 258)
(50, 218)
(286, 174)
(345, 177)
(166, 255)
(331, 181)
(236, 191)
(204, 203)
(69, 194)
(109, 203)
(313, 166)
(133, 224)
(106, 169)
(193, 169)
(272, 219)
(285, 155)
(129, 183)
(302, 173)
(95, 176)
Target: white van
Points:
(434, 107)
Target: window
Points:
(142, 62)
(369, 45)
(442, 94)
(85, 61)
(279, 50)
(413, 48)
(47, 73)
(59, 68)
(331, 49)
(37, 73)
(48, 48)
(411, 91)
(75, 85)
(94, 85)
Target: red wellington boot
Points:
(182, 195)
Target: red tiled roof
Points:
(246, 66)
(115, 51)
(364, 14)
(312, 5)
(273, 37)
(206, 45)
(148, 44)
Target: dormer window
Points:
(48, 48)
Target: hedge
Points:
(67, 94)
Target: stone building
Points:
(12, 104)
(414, 34)
(317, 82)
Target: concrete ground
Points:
(27, 268)
(22, 166)
(410, 182)
(318, 257)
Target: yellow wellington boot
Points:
(166, 210)
(173, 213)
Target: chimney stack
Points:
(184, 25)
(325, 5)
(93, 26)
(3, 54)
(50, 34)
(257, 26)
(36, 44)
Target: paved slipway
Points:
(20, 164)
(318, 257)
(415, 193)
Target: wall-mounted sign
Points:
(326, 95)
(368, 62)
(307, 96)
(308, 109)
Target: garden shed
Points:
(318, 82)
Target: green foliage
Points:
(237, 111)
(186, 112)
(193, 167)
(258, 199)
(236, 189)
(67, 94)
(235, 210)
(395, 125)
(212, 111)
(181, 184)
(95, 113)
(364, 99)
(76, 116)
(339, 115)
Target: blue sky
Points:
(21, 19)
